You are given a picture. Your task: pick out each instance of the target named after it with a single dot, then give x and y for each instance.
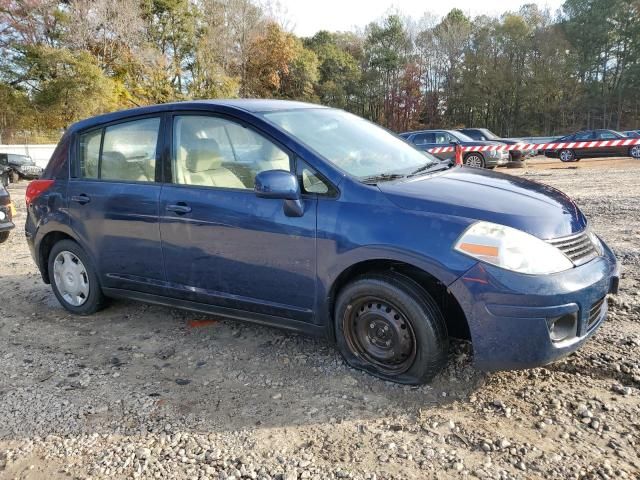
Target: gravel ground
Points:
(141, 391)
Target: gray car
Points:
(428, 139)
(19, 167)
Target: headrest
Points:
(204, 154)
(113, 165)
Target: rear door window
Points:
(604, 135)
(582, 136)
(121, 152)
(423, 138)
(443, 137)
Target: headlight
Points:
(597, 244)
(511, 249)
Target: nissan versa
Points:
(312, 219)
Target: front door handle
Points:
(179, 208)
(81, 199)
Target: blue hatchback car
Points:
(312, 219)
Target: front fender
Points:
(350, 233)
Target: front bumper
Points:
(503, 159)
(4, 226)
(6, 218)
(508, 312)
(30, 174)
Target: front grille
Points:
(594, 312)
(579, 248)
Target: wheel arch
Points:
(44, 250)
(454, 316)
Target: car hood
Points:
(478, 194)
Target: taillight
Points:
(35, 189)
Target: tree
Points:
(338, 70)
(387, 50)
(64, 86)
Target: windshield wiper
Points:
(382, 177)
(431, 167)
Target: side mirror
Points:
(283, 185)
(454, 142)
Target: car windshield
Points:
(20, 160)
(490, 135)
(358, 147)
(461, 136)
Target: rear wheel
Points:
(388, 326)
(474, 160)
(635, 151)
(567, 156)
(4, 236)
(73, 279)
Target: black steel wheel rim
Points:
(379, 333)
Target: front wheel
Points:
(73, 279)
(388, 326)
(474, 160)
(635, 152)
(4, 236)
(567, 156)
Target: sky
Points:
(306, 17)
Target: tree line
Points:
(528, 72)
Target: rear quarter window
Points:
(89, 153)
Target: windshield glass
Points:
(461, 136)
(490, 135)
(20, 159)
(353, 144)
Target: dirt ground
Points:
(141, 391)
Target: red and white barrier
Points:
(539, 146)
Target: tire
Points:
(85, 276)
(379, 314)
(474, 160)
(635, 152)
(567, 156)
(4, 236)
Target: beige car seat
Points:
(273, 158)
(203, 164)
(116, 167)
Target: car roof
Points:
(252, 105)
(428, 131)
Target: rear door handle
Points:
(81, 199)
(179, 208)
